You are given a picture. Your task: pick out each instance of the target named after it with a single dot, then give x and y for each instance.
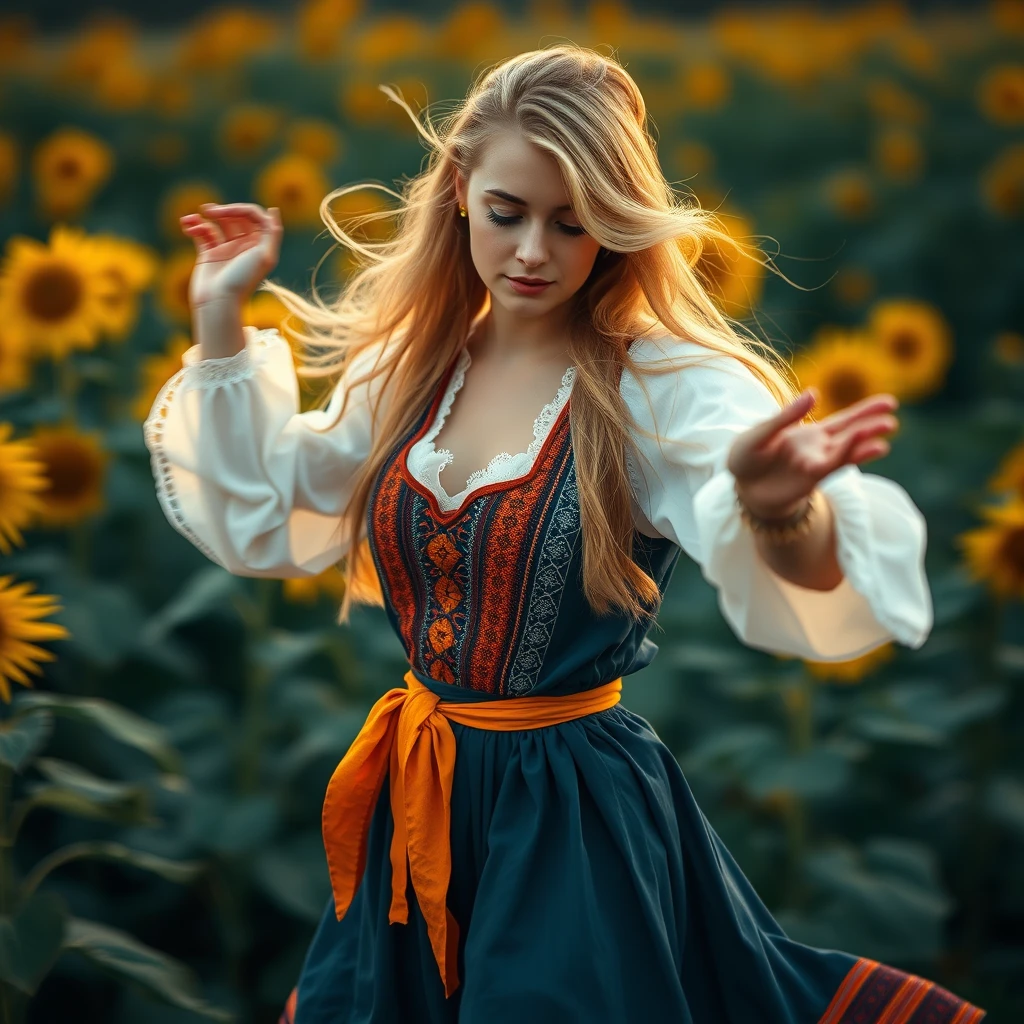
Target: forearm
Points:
(809, 561)
(217, 329)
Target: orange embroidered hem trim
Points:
(874, 993)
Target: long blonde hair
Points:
(415, 295)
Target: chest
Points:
(500, 416)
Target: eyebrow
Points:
(501, 194)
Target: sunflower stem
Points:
(799, 708)
(67, 386)
(257, 682)
(986, 754)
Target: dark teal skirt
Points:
(589, 888)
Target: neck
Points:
(505, 337)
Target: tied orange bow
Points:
(408, 736)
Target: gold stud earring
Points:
(462, 211)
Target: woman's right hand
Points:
(237, 246)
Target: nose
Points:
(532, 251)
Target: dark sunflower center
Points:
(905, 346)
(1013, 550)
(291, 193)
(53, 293)
(69, 473)
(68, 168)
(844, 387)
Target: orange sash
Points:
(407, 734)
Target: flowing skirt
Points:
(589, 888)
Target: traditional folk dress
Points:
(505, 839)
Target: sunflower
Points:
(845, 366)
(15, 363)
(167, 149)
(131, 267)
(246, 130)
(390, 38)
(22, 477)
(172, 96)
(731, 273)
(68, 169)
(124, 85)
(54, 296)
(225, 37)
(1001, 95)
(995, 553)
(1002, 182)
(172, 288)
(295, 185)
(185, 197)
(107, 39)
(20, 611)
(850, 194)
(916, 338)
(318, 140)
(853, 670)
(1009, 348)
(892, 102)
(265, 310)
(321, 24)
(9, 160)
(309, 589)
(363, 103)
(1007, 16)
(704, 85)
(693, 157)
(156, 371)
(75, 465)
(898, 154)
(469, 31)
(1009, 477)
(853, 286)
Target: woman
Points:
(558, 866)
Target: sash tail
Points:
(873, 993)
(407, 735)
(288, 1013)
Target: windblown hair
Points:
(413, 297)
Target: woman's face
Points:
(521, 226)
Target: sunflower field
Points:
(167, 730)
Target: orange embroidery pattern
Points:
(457, 582)
(873, 993)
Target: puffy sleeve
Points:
(247, 478)
(684, 492)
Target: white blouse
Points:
(248, 480)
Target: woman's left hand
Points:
(778, 463)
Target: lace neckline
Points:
(504, 466)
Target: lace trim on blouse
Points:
(197, 372)
(425, 462)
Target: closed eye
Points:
(504, 222)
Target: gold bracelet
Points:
(777, 531)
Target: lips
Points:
(530, 280)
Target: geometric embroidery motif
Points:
(548, 586)
(873, 993)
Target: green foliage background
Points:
(885, 817)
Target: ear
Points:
(460, 189)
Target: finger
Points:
(866, 432)
(795, 411)
(871, 450)
(882, 402)
(253, 211)
(201, 232)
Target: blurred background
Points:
(167, 730)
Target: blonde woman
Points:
(535, 406)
